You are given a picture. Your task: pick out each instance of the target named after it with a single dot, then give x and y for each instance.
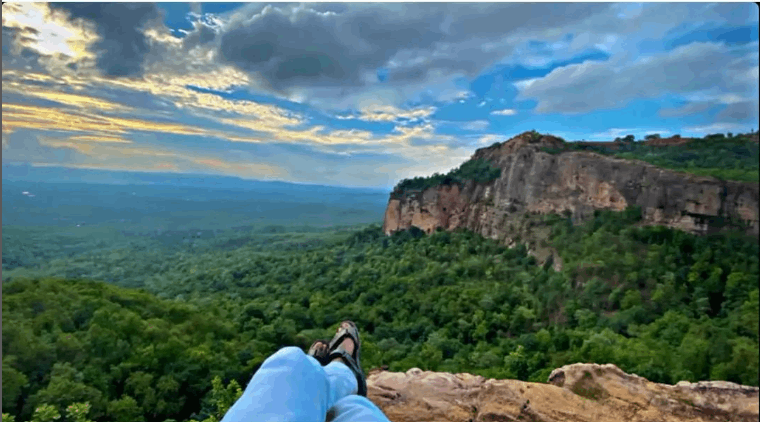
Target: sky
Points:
(360, 94)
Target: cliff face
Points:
(533, 181)
(578, 392)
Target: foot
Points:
(347, 344)
(319, 350)
(346, 347)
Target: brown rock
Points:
(534, 181)
(579, 392)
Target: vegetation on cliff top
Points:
(723, 157)
(655, 301)
(478, 170)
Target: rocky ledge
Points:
(578, 392)
(535, 181)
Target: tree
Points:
(223, 398)
(652, 136)
(125, 409)
(77, 412)
(45, 413)
(14, 382)
(66, 386)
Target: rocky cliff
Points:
(536, 182)
(578, 392)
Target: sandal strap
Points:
(351, 360)
(353, 365)
(351, 332)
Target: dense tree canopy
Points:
(728, 158)
(480, 171)
(655, 301)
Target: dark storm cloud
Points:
(15, 54)
(12, 37)
(201, 34)
(123, 45)
(311, 45)
(9, 35)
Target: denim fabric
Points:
(291, 386)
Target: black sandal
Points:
(352, 361)
(320, 354)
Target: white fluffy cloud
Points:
(505, 112)
(588, 86)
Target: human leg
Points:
(291, 386)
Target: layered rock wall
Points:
(534, 181)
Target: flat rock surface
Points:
(578, 392)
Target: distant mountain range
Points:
(28, 173)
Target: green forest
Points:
(145, 329)
(481, 171)
(724, 157)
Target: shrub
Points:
(480, 171)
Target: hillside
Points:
(663, 304)
(217, 296)
(533, 175)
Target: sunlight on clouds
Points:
(241, 169)
(174, 88)
(118, 157)
(16, 116)
(102, 151)
(336, 137)
(82, 101)
(390, 113)
(100, 138)
(505, 112)
(222, 79)
(54, 34)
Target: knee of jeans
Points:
(288, 354)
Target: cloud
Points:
(505, 112)
(34, 37)
(64, 98)
(739, 111)
(717, 128)
(590, 86)
(476, 125)
(122, 45)
(688, 109)
(18, 116)
(391, 114)
(145, 158)
(613, 133)
(490, 139)
(305, 47)
(99, 138)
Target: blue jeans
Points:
(291, 386)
